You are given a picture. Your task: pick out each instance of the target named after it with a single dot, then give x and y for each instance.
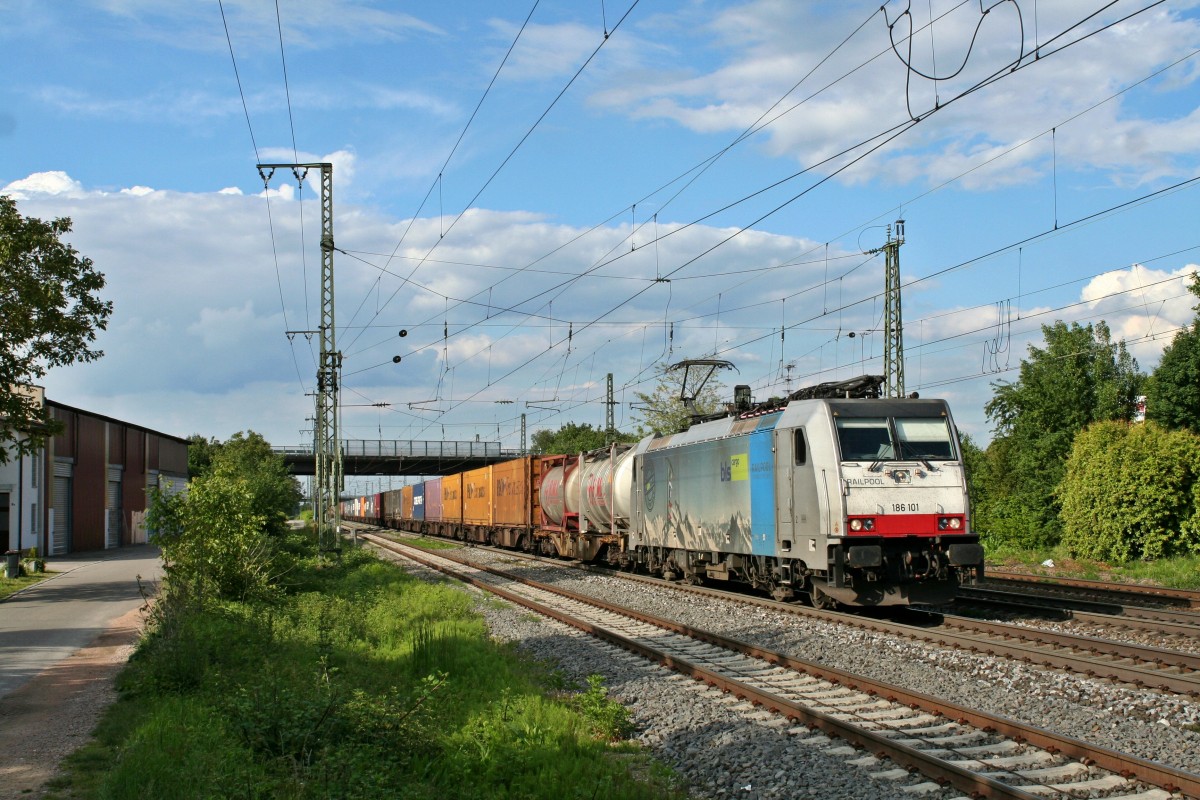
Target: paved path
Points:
(46, 623)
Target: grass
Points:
(10, 586)
(363, 683)
(432, 544)
(1182, 572)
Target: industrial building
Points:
(87, 488)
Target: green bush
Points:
(213, 543)
(1130, 492)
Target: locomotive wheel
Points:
(822, 601)
(782, 593)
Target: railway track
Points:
(979, 754)
(1103, 590)
(1138, 665)
(1165, 621)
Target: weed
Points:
(608, 720)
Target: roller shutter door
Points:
(60, 533)
(112, 505)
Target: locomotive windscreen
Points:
(927, 439)
(902, 435)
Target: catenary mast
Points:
(327, 452)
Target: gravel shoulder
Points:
(55, 713)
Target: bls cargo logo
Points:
(476, 491)
(509, 486)
(737, 468)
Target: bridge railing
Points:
(384, 448)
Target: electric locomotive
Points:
(855, 500)
(833, 493)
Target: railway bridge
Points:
(389, 457)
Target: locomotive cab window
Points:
(864, 439)
(799, 448)
(927, 438)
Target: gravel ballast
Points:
(725, 751)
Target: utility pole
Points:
(523, 449)
(327, 453)
(893, 327)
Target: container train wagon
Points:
(852, 501)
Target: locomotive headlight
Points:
(949, 523)
(860, 524)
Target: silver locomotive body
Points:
(858, 501)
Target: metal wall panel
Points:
(433, 500)
(392, 507)
(89, 490)
(698, 496)
(418, 501)
(511, 492)
(452, 498)
(112, 511)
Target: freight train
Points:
(834, 494)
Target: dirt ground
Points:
(55, 713)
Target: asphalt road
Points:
(51, 620)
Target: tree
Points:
(49, 314)
(200, 455)
(1173, 394)
(247, 459)
(573, 438)
(663, 412)
(1080, 377)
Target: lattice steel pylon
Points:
(327, 451)
(893, 326)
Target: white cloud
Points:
(1143, 306)
(56, 183)
(766, 45)
(203, 296)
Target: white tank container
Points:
(607, 490)
(551, 495)
(591, 490)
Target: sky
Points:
(529, 196)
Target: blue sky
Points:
(696, 183)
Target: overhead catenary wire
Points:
(266, 194)
(504, 162)
(839, 278)
(1007, 69)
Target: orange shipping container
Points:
(452, 498)
(477, 496)
(511, 491)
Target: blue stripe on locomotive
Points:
(762, 488)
